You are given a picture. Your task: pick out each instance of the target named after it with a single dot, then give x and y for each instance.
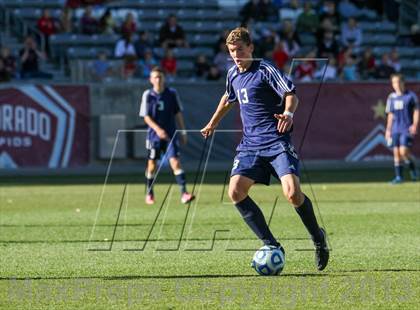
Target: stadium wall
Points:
(338, 122)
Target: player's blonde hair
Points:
(239, 34)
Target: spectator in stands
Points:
(291, 12)
(29, 59)
(107, 23)
(201, 66)
(4, 74)
(351, 34)
(367, 66)
(280, 56)
(395, 60)
(268, 11)
(328, 45)
(342, 57)
(290, 38)
(267, 43)
(9, 61)
(222, 60)
(88, 24)
(171, 34)
(221, 39)
(101, 69)
(129, 24)
(328, 10)
(328, 71)
(124, 47)
(65, 23)
(147, 63)
(142, 44)
(385, 69)
(168, 63)
(214, 74)
(415, 34)
(305, 70)
(307, 21)
(47, 26)
(349, 71)
(250, 10)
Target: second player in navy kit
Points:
(402, 108)
(162, 109)
(267, 102)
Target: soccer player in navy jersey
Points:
(161, 108)
(267, 103)
(403, 108)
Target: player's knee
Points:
(236, 194)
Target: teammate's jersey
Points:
(260, 92)
(162, 109)
(402, 108)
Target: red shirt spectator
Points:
(280, 57)
(129, 25)
(168, 63)
(305, 71)
(46, 24)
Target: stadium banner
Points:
(346, 121)
(44, 126)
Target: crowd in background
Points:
(338, 52)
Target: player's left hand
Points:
(284, 122)
(413, 130)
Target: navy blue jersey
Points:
(162, 109)
(402, 107)
(260, 91)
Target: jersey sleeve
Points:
(178, 104)
(144, 105)
(230, 92)
(276, 79)
(388, 108)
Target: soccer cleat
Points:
(150, 199)
(414, 175)
(397, 180)
(322, 253)
(187, 197)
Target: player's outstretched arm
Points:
(223, 107)
(285, 120)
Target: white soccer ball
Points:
(268, 261)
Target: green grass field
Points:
(165, 256)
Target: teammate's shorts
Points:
(260, 168)
(402, 139)
(157, 148)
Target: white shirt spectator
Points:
(123, 49)
(351, 33)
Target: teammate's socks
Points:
(181, 180)
(307, 215)
(253, 216)
(398, 170)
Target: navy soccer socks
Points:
(181, 180)
(398, 170)
(307, 215)
(253, 216)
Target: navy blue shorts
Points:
(157, 148)
(260, 168)
(402, 139)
